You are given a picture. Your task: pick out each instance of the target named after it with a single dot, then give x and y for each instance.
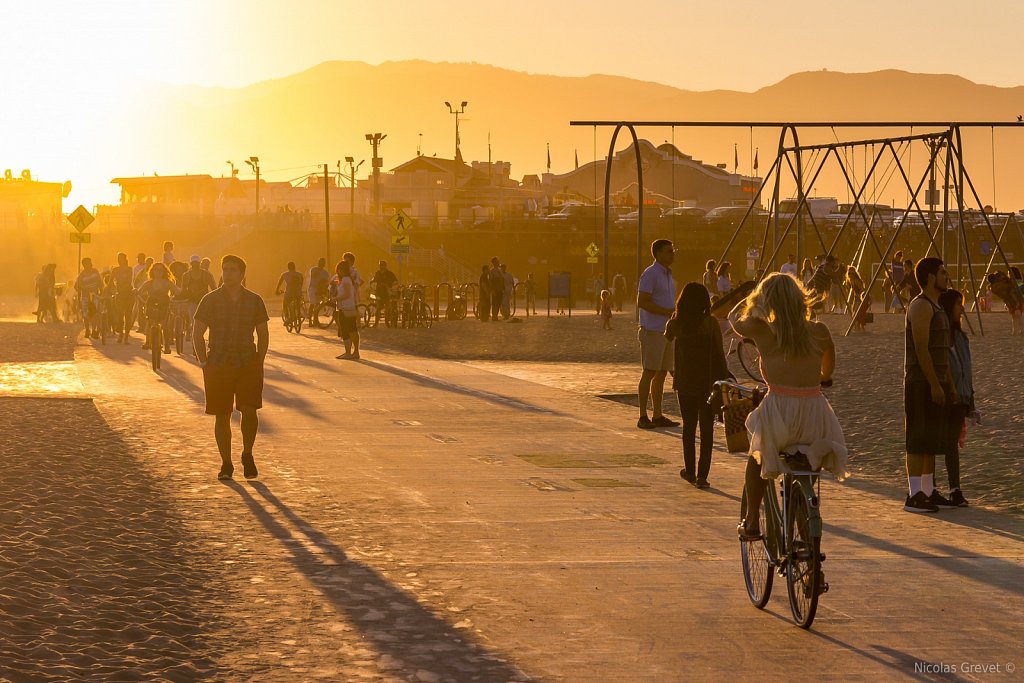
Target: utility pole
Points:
(375, 139)
(457, 112)
(327, 215)
(352, 167)
(254, 163)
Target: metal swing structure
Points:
(803, 164)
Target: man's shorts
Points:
(347, 325)
(927, 422)
(656, 351)
(230, 386)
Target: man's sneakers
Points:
(226, 470)
(249, 466)
(940, 501)
(919, 503)
(956, 498)
(661, 421)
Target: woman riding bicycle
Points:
(155, 294)
(797, 359)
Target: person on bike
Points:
(381, 283)
(232, 364)
(155, 295)
(291, 279)
(45, 287)
(317, 287)
(195, 284)
(699, 362)
(797, 358)
(88, 287)
(348, 322)
(124, 298)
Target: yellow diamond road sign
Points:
(400, 222)
(592, 250)
(80, 218)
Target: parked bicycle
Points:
(415, 311)
(325, 313)
(790, 523)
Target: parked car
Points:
(575, 216)
(633, 217)
(730, 216)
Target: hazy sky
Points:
(68, 63)
(700, 45)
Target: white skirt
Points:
(796, 415)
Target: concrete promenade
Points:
(429, 520)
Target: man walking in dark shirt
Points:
(233, 364)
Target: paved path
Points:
(430, 520)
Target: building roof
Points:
(435, 164)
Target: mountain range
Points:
(321, 115)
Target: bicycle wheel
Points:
(324, 315)
(758, 572)
(156, 345)
(362, 315)
(297, 316)
(104, 324)
(803, 569)
(750, 359)
(426, 316)
(179, 334)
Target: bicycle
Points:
(415, 312)
(745, 351)
(155, 337)
(790, 541)
(179, 324)
(291, 314)
(325, 313)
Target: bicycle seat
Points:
(795, 456)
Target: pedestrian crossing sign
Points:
(592, 250)
(400, 222)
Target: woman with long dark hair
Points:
(952, 302)
(700, 361)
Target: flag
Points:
(755, 160)
(577, 154)
(735, 157)
(549, 157)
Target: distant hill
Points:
(322, 114)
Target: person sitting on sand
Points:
(797, 358)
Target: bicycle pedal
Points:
(823, 589)
(821, 557)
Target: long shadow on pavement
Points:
(389, 618)
(488, 396)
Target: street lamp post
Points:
(352, 168)
(254, 163)
(375, 139)
(457, 112)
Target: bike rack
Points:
(437, 298)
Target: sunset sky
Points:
(63, 55)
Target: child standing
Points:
(606, 309)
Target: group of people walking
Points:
(679, 334)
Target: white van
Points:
(817, 207)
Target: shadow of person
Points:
(392, 620)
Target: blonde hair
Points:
(786, 306)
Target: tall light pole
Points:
(254, 163)
(234, 171)
(352, 168)
(375, 139)
(457, 112)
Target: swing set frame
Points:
(791, 158)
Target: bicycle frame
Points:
(777, 538)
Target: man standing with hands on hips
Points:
(233, 364)
(656, 299)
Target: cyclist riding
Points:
(88, 287)
(195, 284)
(155, 294)
(797, 359)
(292, 281)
